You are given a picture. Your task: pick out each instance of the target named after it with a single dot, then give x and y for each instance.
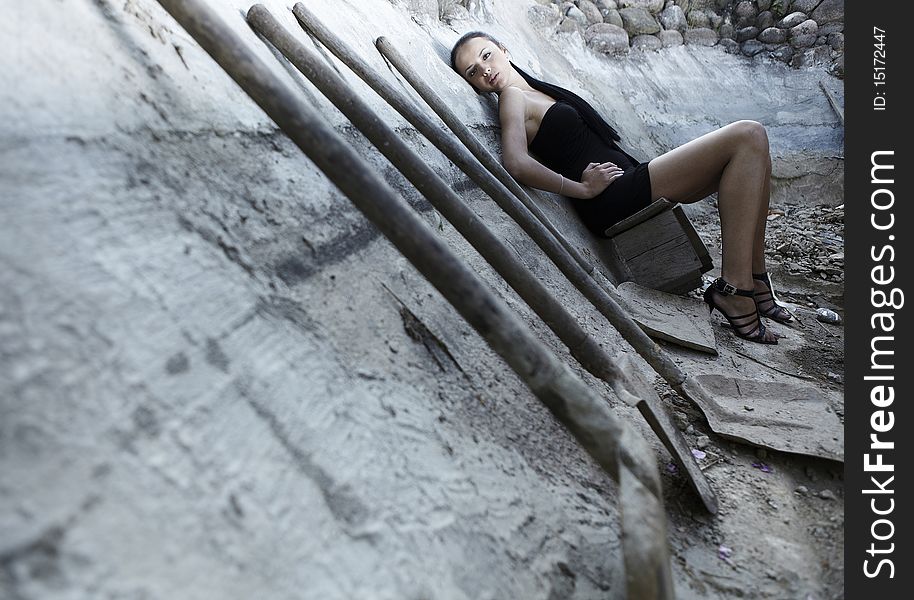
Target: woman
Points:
(577, 156)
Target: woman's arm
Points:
(529, 171)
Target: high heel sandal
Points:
(753, 329)
(774, 310)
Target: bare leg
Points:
(734, 160)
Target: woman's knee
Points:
(753, 135)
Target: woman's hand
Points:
(597, 177)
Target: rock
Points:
(698, 18)
(773, 35)
(730, 46)
(646, 42)
(606, 38)
(804, 6)
(544, 16)
(715, 19)
(702, 442)
(821, 40)
(681, 420)
(606, 4)
(802, 490)
(791, 20)
(651, 6)
(837, 67)
(827, 495)
(830, 28)
(764, 4)
(784, 54)
(726, 31)
(836, 41)
(812, 57)
(830, 11)
(577, 15)
(670, 38)
(804, 34)
(672, 18)
(765, 20)
(613, 18)
(700, 36)
(752, 47)
(747, 33)
(590, 11)
(637, 21)
(745, 14)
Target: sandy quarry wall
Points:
(218, 381)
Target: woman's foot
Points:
(766, 301)
(739, 308)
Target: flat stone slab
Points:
(676, 319)
(778, 415)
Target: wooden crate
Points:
(658, 248)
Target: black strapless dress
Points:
(566, 144)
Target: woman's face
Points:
(484, 64)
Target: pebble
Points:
(703, 442)
(802, 490)
(748, 408)
(835, 377)
(827, 495)
(827, 316)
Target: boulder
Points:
(747, 33)
(830, 11)
(652, 6)
(638, 21)
(672, 18)
(606, 38)
(544, 16)
(715, 19)
(836, 41)
(700, 36)
(804, 34)
(575, 14)
(646, 42)
(763, 4)
(670, 38)
(744, 14)
(791, 20)
(752, 47)
(783, 54)
(590, 11)
(765, 20)
(730, 46)
(613, 17)
(773, 35)
(698, 18)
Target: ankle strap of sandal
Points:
(728, 289)
(761, 276)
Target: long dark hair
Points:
(596, 123)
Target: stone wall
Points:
(797, 32)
